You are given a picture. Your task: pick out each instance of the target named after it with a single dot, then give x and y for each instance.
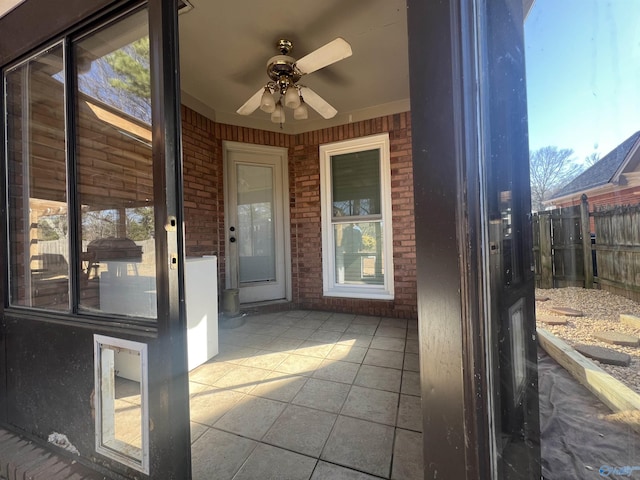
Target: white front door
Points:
(257, 221)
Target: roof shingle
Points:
(601, 172)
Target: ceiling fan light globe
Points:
(291, 98)
(278, 114)
(301, 112)
(267, 102)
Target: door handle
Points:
(232, 239)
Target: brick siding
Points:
(623, 196)
(120, 167)
(204, 204)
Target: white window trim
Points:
(330, 287)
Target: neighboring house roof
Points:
(605, 171)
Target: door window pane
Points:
(37, 187)
(114, 165)
(256, 247)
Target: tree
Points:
(140, 224)
(592, 159)
(52, 227)
(133, 77)
(551, 168)
(99, 224)
(121, 79)
(46, 231)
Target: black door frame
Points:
(468, 108)
(24, 30)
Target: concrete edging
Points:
(613, 393)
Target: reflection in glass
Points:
(355, 180)
(359, 258)
(115, 177)
(255, 236)
(37, 188)
(121, 407)
(584, 124)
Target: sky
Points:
(583, 74)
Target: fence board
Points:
(563, 250)
(567, 251)
(542, 251)
(618, 249)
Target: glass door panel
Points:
(36, 182)
(255, 205)
(256, 221)
(85, 190)
(585, 190)
(115, 176)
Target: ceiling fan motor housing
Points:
(282, 66)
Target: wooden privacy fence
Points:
(566, 253)
(618, 250)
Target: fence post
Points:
(546, 265)
(586, 242)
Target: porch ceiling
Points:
(224, 48)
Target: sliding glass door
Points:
(93, 317)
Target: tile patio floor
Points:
(309, 395)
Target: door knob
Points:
(232, 239)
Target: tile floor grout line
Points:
(260, 348)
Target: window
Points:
(357, 241)
(112, 218)
(36, 178)
(114, 169)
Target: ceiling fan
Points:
(285, 72)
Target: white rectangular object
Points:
(201, 292)
(201, 296)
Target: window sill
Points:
(359, 293)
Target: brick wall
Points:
(116, 171)
(622, 196)
(306, 236)
(203, 187)
(204, 204)
(204, 181)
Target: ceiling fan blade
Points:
(252, 104)
(332, 52)
(318, 103)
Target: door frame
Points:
(283, 154)
(469, 121)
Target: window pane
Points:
(256, 248)
(37, 188)
(585, 184)
(355, 183)
(359, 253)
(115, 178)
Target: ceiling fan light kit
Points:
(278, 114)
(267, 101)
(292, 98)
(285, 73)
(301, 112)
